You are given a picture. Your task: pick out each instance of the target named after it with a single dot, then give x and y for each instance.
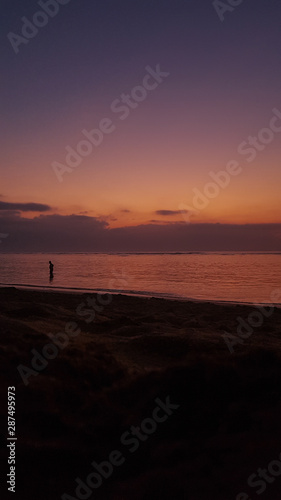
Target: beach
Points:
(177, 399)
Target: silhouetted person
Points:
(51, 267)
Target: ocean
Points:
(228, 277)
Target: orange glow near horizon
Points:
(132, 183)
(133, 196)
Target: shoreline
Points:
(130, 293)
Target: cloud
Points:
(24, 207)
(81, 233)
(166, 222)
(54, 233)
(9, 213)
(168, 212)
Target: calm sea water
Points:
(223, 277)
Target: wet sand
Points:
(108, 371)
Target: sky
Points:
(178, 107)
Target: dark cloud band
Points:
(24, 207)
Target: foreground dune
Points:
(110, 369)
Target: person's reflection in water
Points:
(51, 267)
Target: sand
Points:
(111, 374)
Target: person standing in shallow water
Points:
(51, 267)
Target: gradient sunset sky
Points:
(223, 84)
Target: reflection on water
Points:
(230, 277)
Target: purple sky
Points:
(222, 84)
